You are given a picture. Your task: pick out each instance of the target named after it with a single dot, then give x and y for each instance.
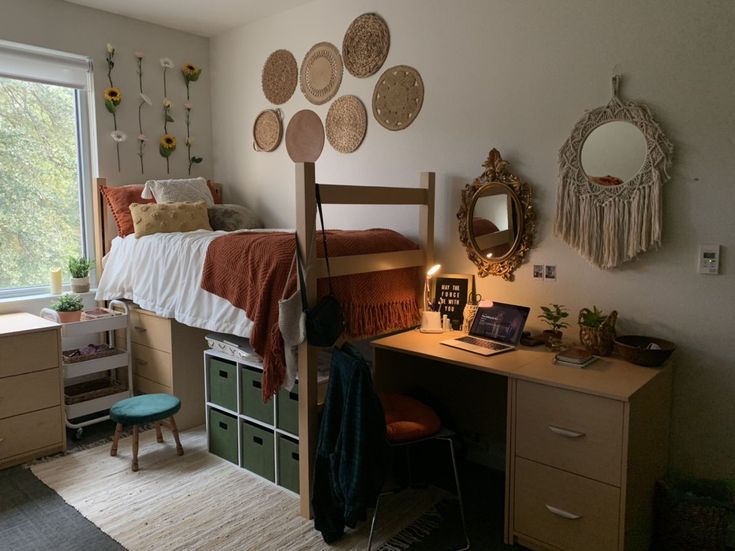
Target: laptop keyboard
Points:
(483, 343)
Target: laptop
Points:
(495, 329)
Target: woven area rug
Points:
(200, 501)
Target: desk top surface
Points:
(18, 323)
(609, 377)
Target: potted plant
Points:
(79, 270)
(554, 316)
(69, 308)
(597, 330)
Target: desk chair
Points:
(146, 408)
(409, 421)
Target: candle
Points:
(56, 281)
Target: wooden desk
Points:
(583, 447)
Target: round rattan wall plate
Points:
(267, 130)
(305, 137)
(321, 73)
(365, 45)
(279, 77)
(398, 97)
(346, 123)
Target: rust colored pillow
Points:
(216, 193)
(119, 199)
(408, 419)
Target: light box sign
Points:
(452, 292)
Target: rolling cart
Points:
(85, 395)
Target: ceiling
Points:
(205, 18)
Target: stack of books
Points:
(574, 357)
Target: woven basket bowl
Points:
(633, 349)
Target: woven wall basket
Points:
(365, 45)
(321, 73)
(346, 123)
(267, 130)
(279, 76)
(398, 97)
(305, 137)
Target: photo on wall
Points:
(451, 294)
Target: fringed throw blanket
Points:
(250, 270)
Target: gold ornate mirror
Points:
(496, 219)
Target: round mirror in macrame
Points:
(607, 220)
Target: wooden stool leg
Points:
(159, 434)
(175, 431)
(118, 432)
(135, 448)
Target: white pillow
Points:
(177, 191)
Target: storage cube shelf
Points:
(262, 438)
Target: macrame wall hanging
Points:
(608, 220)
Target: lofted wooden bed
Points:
(315, 268)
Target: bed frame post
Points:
(426, 222)
(305, 232)
(99, 226)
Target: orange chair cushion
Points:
(408, 419)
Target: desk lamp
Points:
(427, 286)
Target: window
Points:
(44, 166)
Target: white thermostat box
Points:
(708, 261)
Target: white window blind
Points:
(25, 62)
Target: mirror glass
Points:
(494, 216)
(613, 153)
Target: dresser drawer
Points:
(31, 392)
(153, 364)
(31, 431)
(576, 432)
(146, 386)
(150, 330)
(29, 352)
(565, 510)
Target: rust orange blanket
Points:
(250, 270)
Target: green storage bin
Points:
(287, 406)
(221, 376)
(288, 463)
(257, 450)
(223, 435)
(251, 396)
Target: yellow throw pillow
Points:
(169, 217)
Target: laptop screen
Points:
(500, 322)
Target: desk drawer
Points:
(31, 431)
(153, 364)
(29, 352)
(567, 511)
(31, 392)
(150, 330)
(141, 385)
(570, 430)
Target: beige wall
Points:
(62, 26)
(517, 74)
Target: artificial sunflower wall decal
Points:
(191, 74)
(168, 142)
(142, 100)
(113, 97)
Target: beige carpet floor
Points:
(199, 501)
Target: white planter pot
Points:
(80, 284)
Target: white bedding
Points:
(162, 273)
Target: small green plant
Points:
(553, 316)
(592, 318)
(68, 303)
(79, 266)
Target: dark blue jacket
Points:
(349, 469)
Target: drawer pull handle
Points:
(141, 362)
(258, 440)
(562, 513)
(223, 373)
(293, 396)
(223, 425)
(256, 384)
(566, 432)
(295, 456)
(140, 328)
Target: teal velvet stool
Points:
(146, 408)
